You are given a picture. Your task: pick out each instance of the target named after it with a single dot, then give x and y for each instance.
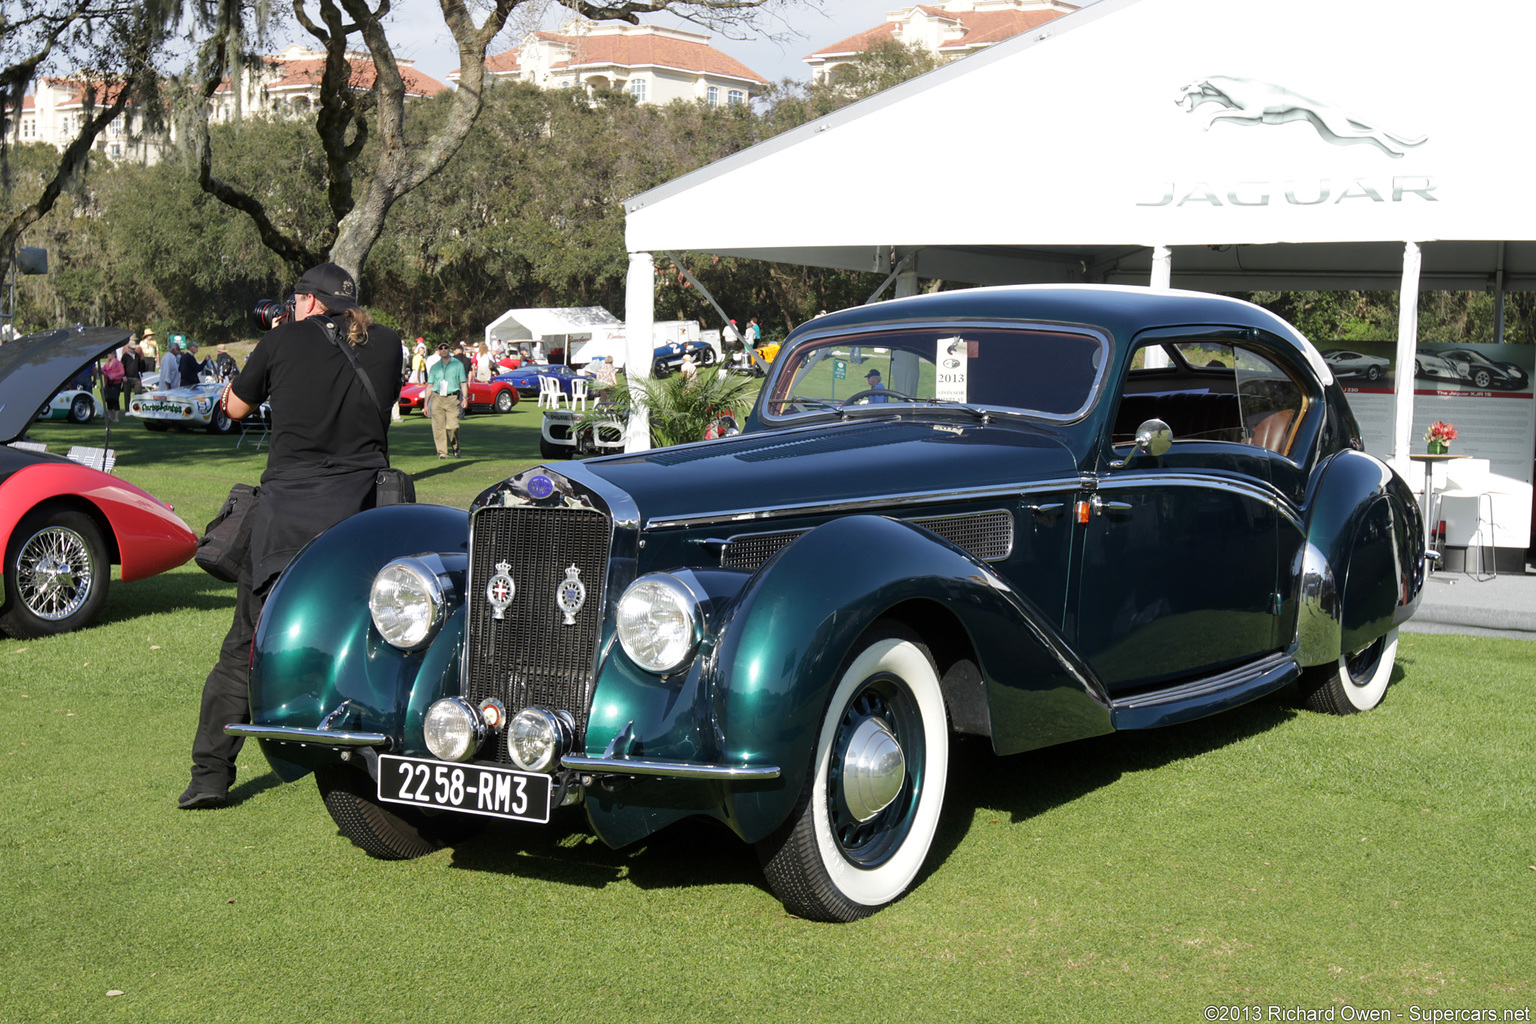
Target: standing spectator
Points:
(419, 363)
(150, 346)
(191, 368)
(688, 369)
(134, 365)
(112, 374)
(730, 337)
(170, 368)
(329, 441)
(447, 394)
(754, 332)
(464, 360)
(224, 364)
(485, 363)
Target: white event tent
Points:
(1219, 145)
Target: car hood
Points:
(859, 462)
(32, 369)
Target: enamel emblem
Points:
(501, 589)
(571, 594)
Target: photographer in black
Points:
(330, 438)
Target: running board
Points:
(1188, 701)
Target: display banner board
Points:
(1484, 391)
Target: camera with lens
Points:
(270, 312)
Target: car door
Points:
(1180, 571)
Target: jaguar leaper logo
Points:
(571, 594)
(500, 590)
(1247, 101)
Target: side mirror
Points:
(1153, 437)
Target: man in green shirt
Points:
(447, 393)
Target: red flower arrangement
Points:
(1440, 435)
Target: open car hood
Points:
(32, 369)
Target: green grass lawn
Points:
(1266, 857)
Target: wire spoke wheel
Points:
(55, 574)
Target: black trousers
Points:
(226, 698)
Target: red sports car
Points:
(63, 524)
(493, 396)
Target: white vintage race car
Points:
(71, 404)
(196, 406)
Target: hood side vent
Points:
(985, 536)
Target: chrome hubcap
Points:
(53, 574)
(873, 771)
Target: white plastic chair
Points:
(578, 392)
(1465, 506)
(550, 395)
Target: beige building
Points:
(653, 64)
(951, 29)
(285, 85)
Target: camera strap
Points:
(331, 333)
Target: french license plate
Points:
(470, 788)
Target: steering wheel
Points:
(867, 392)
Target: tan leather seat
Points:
(1274, 430)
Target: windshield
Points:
(1048, 372)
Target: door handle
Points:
(1048, 513)
(1113, 509)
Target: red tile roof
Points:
(981, 29)
(640, 50)
(306, 73)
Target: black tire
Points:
(1356, 682)
(706, 356)
(56, 574)
(381, 830)
(660, 369)
(852, 846)
(549, 450)
(82, 409)
(159, 425)
(1482, 378)
(1373, 372)
(219, 422)
(505, 400)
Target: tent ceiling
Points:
(1267, 145)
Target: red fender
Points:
(148, 536)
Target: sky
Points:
(418, 33)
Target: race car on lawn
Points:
(192, 407)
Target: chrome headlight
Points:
(659, 622)
(407, 603)
(537, 737)
(453, 729)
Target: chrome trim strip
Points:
(319, 737)
(671, 769)
(863, 504)
(1265, 495)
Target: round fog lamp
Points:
(453, 729)
(536, 737)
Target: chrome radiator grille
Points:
(530, 656)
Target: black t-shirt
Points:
(320, 409)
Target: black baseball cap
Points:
(331, 284)
(872, 373)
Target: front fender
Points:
(762, 687)
(1362, 567)
(315, 647)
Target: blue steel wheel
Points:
(869, 809)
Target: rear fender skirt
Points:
(316, 648)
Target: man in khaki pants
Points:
(447, 393)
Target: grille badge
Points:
(571, 594)
(501, 589)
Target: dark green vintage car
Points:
(1033, 514)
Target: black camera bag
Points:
(225, 546)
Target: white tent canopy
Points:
(1210, 144)
(554, 327)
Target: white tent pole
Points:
(639, 340)
(1407, 345)
(1162, 267)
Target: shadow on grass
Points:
(179, 590)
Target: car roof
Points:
(1123, 310)
(33, 367)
